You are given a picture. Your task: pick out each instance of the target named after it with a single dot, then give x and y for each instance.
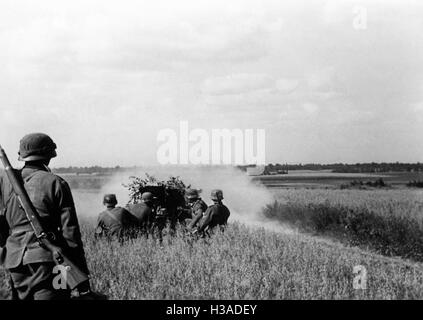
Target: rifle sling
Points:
(25, 181)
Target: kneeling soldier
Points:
(114, 221)
(216, 215)
(144, 211)
(197, 206)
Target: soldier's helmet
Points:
(148, 197)
(216, 194)
(36, 146)
(192, 194)
(110, 199)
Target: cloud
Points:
(310, 108)
(417, 107)
(336, 13)
(321, 80)
(90, 71)
(287, 85)
(236, 84)
(160, 36)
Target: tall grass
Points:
(244, 263)
(389, 222)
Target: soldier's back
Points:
(114, 221)
(52, 198)
(224, 213)
(140, 211)
(220, 214)
(41, 187)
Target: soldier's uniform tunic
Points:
(215, 215)
(31, 265)
(197, 210)
(114, 222)
(142, 213)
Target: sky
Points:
(104, 77)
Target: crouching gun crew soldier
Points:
(144, 211)
(39, 226)
(216, 215)
(197, 207)
(114, 221)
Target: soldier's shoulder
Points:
(101, 214)
(219, 206)
(137, 206)
(121, 209)
(223, 206)
(50, 176)
(56, 176)
(200, 203)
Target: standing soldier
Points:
(216, 215)
(197, 207)
(114, 221)
(31, 266)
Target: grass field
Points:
(256, 263)
(387, 221)
(246, 264)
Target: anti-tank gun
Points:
(169, 204)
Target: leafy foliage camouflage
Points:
(136, 185)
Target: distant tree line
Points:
(351, 168)
(335, 167)
(88, 170)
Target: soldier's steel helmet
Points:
(36, 146)
(148, 197)
(192, 194)
(110, 199)
(216, 194)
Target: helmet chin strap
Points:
(46, 167)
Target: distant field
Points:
(294, 179)
(86, 181)
(327, 179)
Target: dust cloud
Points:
(244, 198)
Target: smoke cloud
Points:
(244, 198)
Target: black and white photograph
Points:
(228, 152)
